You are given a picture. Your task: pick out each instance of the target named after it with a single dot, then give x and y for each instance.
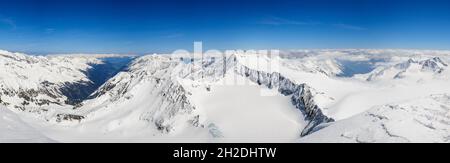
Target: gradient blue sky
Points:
(140, 26)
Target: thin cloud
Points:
(174, 35)
(8, 22)
(50, 30)
(350, 27)
(282, 21)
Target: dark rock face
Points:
(68, 117)
(433, 64)
(162, 127)
(196, 121)
(1, 101)
(174, 102)
(31, 96)
(301, 98)
(74, 93)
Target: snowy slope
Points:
(419, 120)
(14, 130)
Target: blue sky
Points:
(147, 26)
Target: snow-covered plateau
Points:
(330, 95)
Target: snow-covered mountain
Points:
(33, 81)
(298, 96)
(167, 97)
(42, 83)
(410, 69)
(425, 119)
